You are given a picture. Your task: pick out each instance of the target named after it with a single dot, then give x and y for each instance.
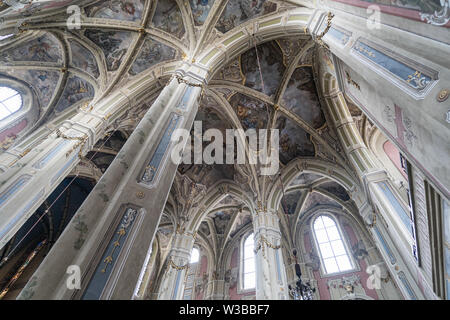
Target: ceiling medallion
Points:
(140, 195)
(443, 95)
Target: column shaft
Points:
(271, 280)
(111, 233)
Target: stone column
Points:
(109, 237)
(172, 284)
(271, 280)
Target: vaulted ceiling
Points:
(120, 41)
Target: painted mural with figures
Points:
(43, 82)
(168, 18)
(76, 90)
(200, 10)
(294, 141)
(83, 59)
(240, 11)
(130, 10)
(251, 112)
(151, 53)
(301, 97)
(43, 49)
(114, 45)
(270, 58)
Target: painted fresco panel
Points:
(168, 18)
(294, 141)
(76, 90)
(114, 44)
(251, 112)
(43, 49)
(130, 10)
(83, 59)
(200, 10)
(151, 53)
(240, 11)
(301, 97)
(271, 61)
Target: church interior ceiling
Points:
(70, 69)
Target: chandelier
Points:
(301, 291)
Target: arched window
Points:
(331, 247)
(195, 256)
(10, 102)
(248, 265)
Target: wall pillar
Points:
(173, 281)
(271, 280)
(110, 235)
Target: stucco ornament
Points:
(438, 18)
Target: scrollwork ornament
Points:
(438, 18)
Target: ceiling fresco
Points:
(315, 199)
(271, 62)
(301, 97)
(43, 49)
(294, 141)
(130, 10)
(76, 89)
(83, 59)
(151, 53)
(200, 10)
(243, 219)
(251, 112)
(290, 201)
(305, 179)
(336, 189)
(229, 200)
(231, 72)
(108, 44)
(221, 220)
(43, 82)
(240, 11)
(428, 6)
(291, 47)
(168, 18)
(204, 228)
(114, 44)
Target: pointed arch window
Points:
(248, 263)
(331, 246)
